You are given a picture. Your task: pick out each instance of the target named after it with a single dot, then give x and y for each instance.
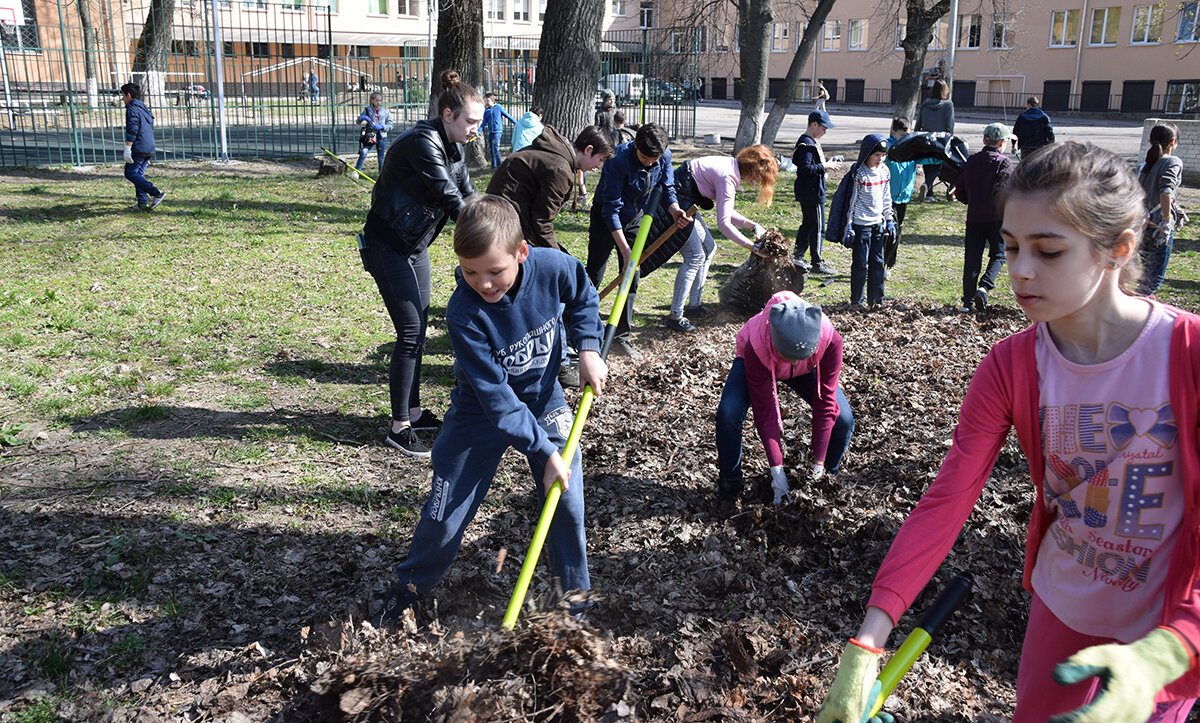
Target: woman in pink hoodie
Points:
(791, 342)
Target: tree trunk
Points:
(89, 44)
(783, 102)
(754, 28)
(568, 58)
(921, 22)
(153, 50)
(459, 47)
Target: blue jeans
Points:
(380, 150)
(403, 283)
(731, 415)
(697, 255)
(465, 457)
(867, 267)
(135, 173)
(493, 149)
(1154, 263)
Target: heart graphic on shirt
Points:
(1142, 420)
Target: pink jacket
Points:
(718, 178)
(1004, 394)
(764, 368)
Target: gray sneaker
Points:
(824, 269)
(622, 347)
(155, 200)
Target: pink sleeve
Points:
(727, 217)
(764, 400)
(825, 405)
(931, 529)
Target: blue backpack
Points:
(837, 225)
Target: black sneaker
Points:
(981, 299)
(681, 325)
(406, 441)
(398, 599)
(824, 269)
(426, 422)
(155, 200)
(622, 347)
(568, 376)
(696, 312)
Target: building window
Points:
(289, 4)
(324, 51)
(1189, 28)
(254, 4)
(1147, 24)
(331, 4)
(858, 35)
(495, 10)
(258, 50)
(647, 9)
(22, 38)
(721, 39)
(287, 50)
(901, 32)
(780, 37)
(1105, 23)
(377, 7)
(521, 11)
(227, 48)
(618, 8)
(1004, 26)
(831, 40)
(1064, 28)
(1183, 96)
(701, 44)
(541, 11)
(361, 51)
(970, 32)
(410, 8)
(941, 30)
(184, 47)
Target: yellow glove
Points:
(1130, 676)
(851, 694)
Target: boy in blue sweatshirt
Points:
(139, 147)
(492, 126)
(507, 333)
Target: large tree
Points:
(787, 96)
(154, 49)
(88, 32)
(568, 58)
(922, 19)
(754, 35)
(459, 48)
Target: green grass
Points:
(130, 318)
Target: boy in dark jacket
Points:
(1033, 128)
(139, 147)
(811, 167)
(983, 174)
(504, 324)
(537, 180)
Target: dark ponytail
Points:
(1161, 136)
(456, 94)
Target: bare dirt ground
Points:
(150, 579)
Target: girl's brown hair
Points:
(758, 165)
(939, 90)
(456, 94)
(1092, 190)
(485, 222)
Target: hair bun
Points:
(449, 79)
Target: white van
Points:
(627, 86)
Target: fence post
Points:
(219, 55)
(76, 141)
(332, 85)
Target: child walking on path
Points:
(793, 343)
(139, 147)
(1112, 554)
(862, 210)
(983, 175)
(505, 326)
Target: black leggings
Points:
(403, 283)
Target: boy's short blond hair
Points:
(485, 222)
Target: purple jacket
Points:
(982, 175)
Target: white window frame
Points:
(857, 29)
(900, 32)
(677, 42)
(1149, 18)
(521, 15)
(541, 11)
(374, 8)
(1006, 24)
(619, 8)
(1189, 23)
(496, 10)
(1062, 19)
(721, 42)
(781, 37)
(1110, 15)
(831, 36)
(1179, 92)
(941, 29)
(966, 23)
(646, 14)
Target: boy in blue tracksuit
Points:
(507, 333)
(139, 147)
(492, 128)
(811, 167)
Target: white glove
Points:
(779, 485)
(128, 154)
(818, 470)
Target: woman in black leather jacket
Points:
(423, 183)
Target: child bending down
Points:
(507, 333)
(1112, 550)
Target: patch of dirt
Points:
(157, 577)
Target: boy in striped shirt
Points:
(871, 220)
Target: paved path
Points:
(1120, 136)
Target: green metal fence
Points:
(61, 74)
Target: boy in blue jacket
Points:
(139, 147)
(493, 127)
(507, 333)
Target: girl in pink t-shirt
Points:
(1099, 390)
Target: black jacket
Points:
(810, 174)
(424, 182)
(1033, 129)
(985, 173)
